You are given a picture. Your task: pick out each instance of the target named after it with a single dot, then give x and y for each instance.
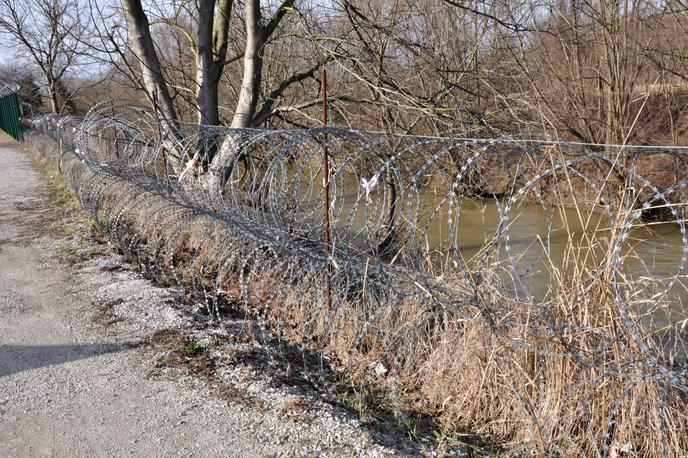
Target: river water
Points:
(539, 244)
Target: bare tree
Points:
(208, 39)
(256, 37)
(578, 67)
(52, 33)
(29, 91)
(142, 45)
(213, 24)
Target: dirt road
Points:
(71, 387)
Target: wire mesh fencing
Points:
(529, 290)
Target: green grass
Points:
(351, 401)
(63, 198)
(70, 250)
(72, 228)
(192, 348)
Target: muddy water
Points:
(538, 246)
(542, 243)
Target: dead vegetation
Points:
(175, 350)
(105, 313)
(578, 374)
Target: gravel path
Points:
(72, 387)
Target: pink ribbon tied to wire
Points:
(368, 186)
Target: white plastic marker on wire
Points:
(368, 186)
(191, 165)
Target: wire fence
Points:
(551, 271)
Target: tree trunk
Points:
(141, 43)
(253, 67)
(207, 96)
(52, 92)
(212, 51)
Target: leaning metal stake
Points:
(326, 184)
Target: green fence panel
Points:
(10, 117)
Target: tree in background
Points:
(29, 93)
(51, 33)
(600, 71)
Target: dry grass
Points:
(566, 377)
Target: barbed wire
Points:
(524, 238)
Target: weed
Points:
(92, 227)
(443, 438)
(105, 222)
(63, 198)
(69, 250)
(412, 431)
(192, 348)
(351, 401)
(72, 228)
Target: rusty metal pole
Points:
(326, 184)
(326, 162)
